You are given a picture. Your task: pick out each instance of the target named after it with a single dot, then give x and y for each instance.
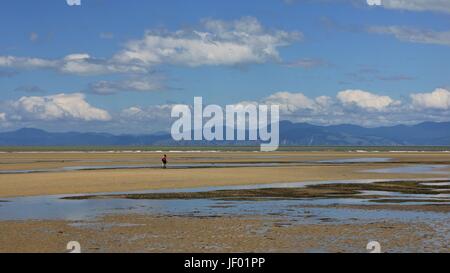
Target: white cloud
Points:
(71, 111)
(348, 107)
(438, 99)
(84, 64)
(58, 107)
(20, 62)
(298, 102)
(414, 35)
(365, 100)
(324, 101)
(418, 5)
(153, 112)
(79, 64)
(2, 117)
(290, 102)
(146, 118)
(362, 108)
(218, 43)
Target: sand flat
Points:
(144, 233)
(14, 185)
(190, 232)
(94, 181)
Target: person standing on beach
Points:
(164, 162)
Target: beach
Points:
(307, 167)
(323, 201)
(143, 233)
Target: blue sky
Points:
(117, 66)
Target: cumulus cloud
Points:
(365, 100)
(73, 112)
(350, 107)
(438, 99)
(219, 42)
(414, 35)
(154, 112)
(347, 107)
(298, 102)
(145, 118)
(57, 107)
(324, 101)
(290, 102)
(360, 107)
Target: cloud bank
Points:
(346, 107)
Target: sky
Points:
(119, 66)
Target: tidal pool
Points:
(417, 169)
(304, 210)
(357, 160)
(54, 207)
(149, 166)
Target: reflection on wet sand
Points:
(190, 166)
(282, 210)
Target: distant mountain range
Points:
(428, 133)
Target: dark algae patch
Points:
(408, 201)
(404, 187)
(344, 190)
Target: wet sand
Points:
(379, 192)
(94, 181)
(346, 228)
(140, 233)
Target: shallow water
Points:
(417, 169)
(358, 160)
(148, 166)
(398, 195)
(191, 166)
(437, 184)
(39, 208)
(53, 207)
